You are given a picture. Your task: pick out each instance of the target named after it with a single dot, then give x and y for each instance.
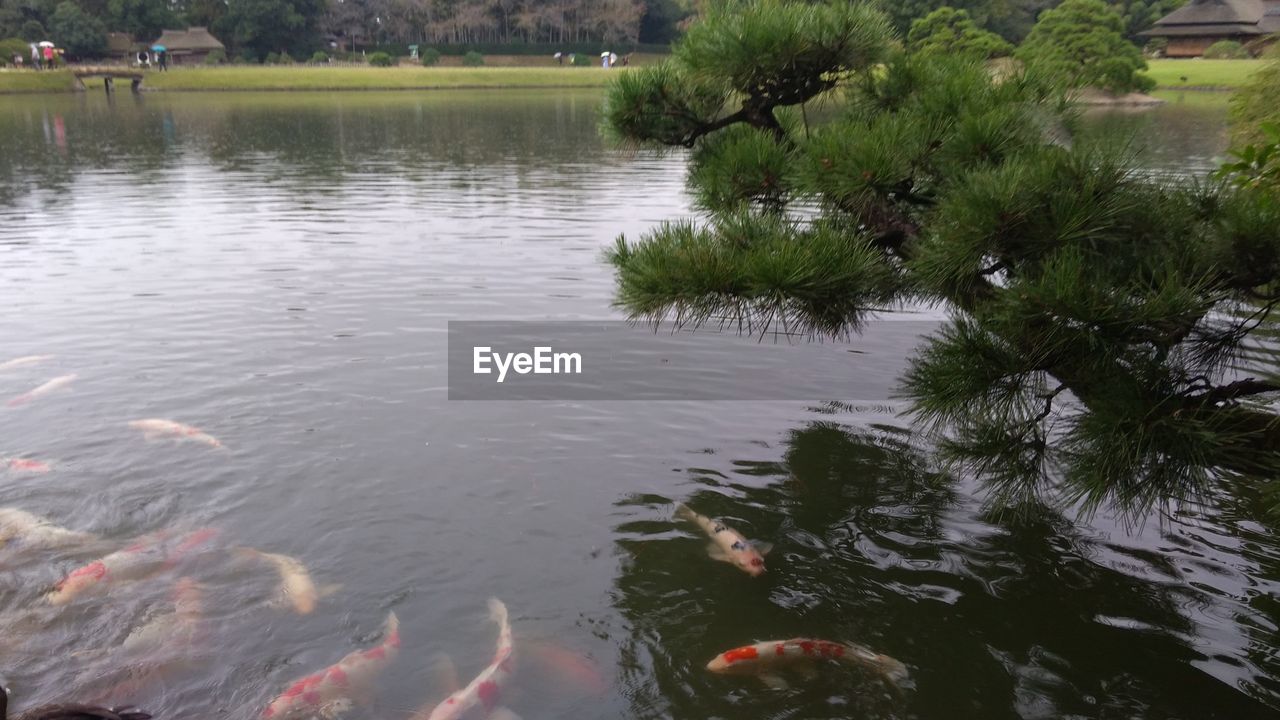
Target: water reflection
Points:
(1029, 616)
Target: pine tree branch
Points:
(1235, 390)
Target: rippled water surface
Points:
(278, 270)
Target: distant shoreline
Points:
(310, 78)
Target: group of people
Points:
(607, 59)
(43, 56)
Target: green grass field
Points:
(304, 77)
(1216, 74)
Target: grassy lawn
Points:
(30, 81)
(1221, 74)
(304, 77)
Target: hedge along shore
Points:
(321, 78)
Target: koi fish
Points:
(486, 690)
(296, 587)
(24, 465)
(153, 428)
(727, 544)
(333, 691)
(53, 385)
(764, 658)
(177, 627)
(145, 557)
(24, 361)
(33, 532)
(562, 663)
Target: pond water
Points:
(279, 270)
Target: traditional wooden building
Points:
(188, 47)
(1192, 28)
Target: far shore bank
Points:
(319, 78)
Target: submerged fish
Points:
(154, 428)
(24, 465)
(334, 690)
(145, 557)
(177, 628)
(764, 658)
(24, 361)
(485, 691)
(20, 528)
(727, 544)
(296, 587)
(53, 385)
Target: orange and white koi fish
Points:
(332, 691)
(178, 628)
(485, 692)
(52, 386)
(764, 658)
(24, 465)
(21, 529)
(154, 428)
(145, 557)
(727, 544)
(296, 588)
(24, 361)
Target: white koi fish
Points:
(24, 530)
(177, 628)
(334, 690)
(764, 659)
(154, 428)
(485, 691)
(52, 386)
(145, 557)
(296, 587)
(727, 544)
(24, 361)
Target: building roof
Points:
(1219, 18)
(193, 38)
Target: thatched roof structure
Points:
(193, 39)
(1220, 18)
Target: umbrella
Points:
(45, 43)
(604, 54)
(159, 48)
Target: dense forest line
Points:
(253, 28)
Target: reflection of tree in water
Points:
(1014, 618)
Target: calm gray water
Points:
(278, 270)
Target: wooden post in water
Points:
(136, 84)
(108, 82)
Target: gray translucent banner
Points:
(582, 360)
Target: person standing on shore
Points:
(35, 56)
(164, 60)
(48, 57)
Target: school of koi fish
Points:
(346, 687)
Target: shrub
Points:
(430, 56)
(381, 59)
(1081, 44)
(319, 57)
(473, 59)
(948, 31)
(1156, 47)
(272, 58)
(1226, 50)
(1255, 104)
(286, 59)
(581, 60)
(248, 57)
(13, 46)
(216, 56)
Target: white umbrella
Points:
(45, 43)
(604, 54)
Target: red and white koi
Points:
(332, 691)
(53, 385)
(23, 362)
(155, 428)
(24, 530)
(763, 659)
(145, 557)
(485, 692)
(728, 545)
(24, 465)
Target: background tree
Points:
(143, 19)
(264, 26)
(81, 34)
(1099, 344)
(948, 31)
(1082, 41)
(1139, 15)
